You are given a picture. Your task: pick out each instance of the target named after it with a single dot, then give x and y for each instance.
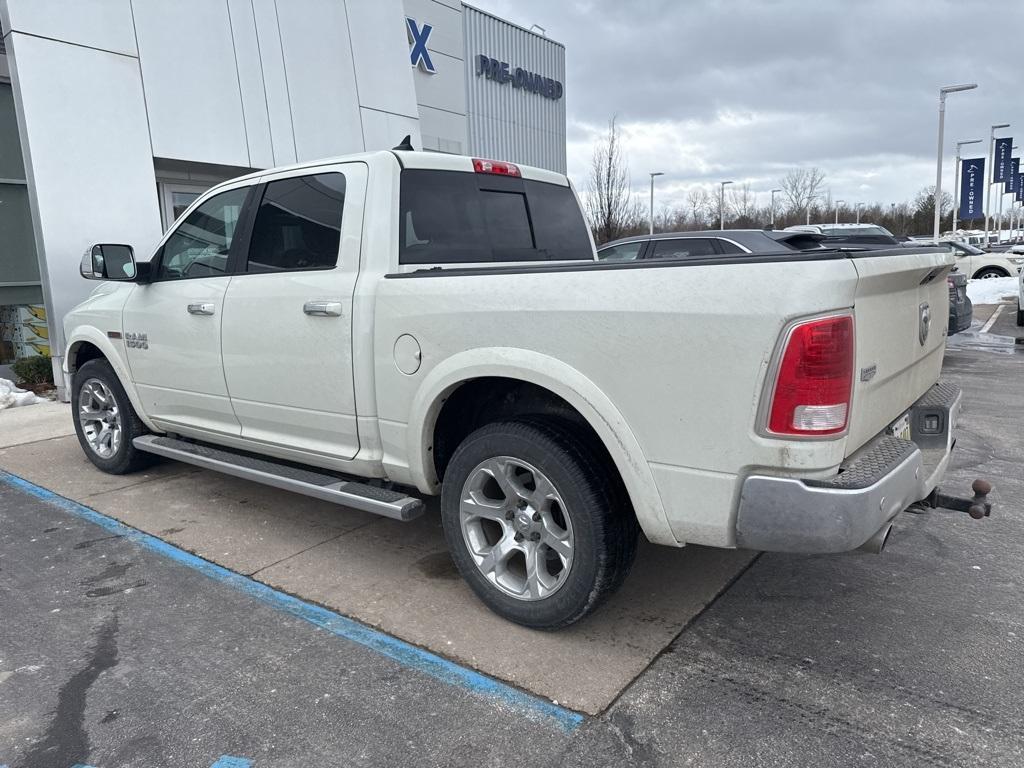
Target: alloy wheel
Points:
(516, 528)
(100, 418)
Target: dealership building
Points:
(116, 114)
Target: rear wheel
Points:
(105, 421)
(1020, 314)
(989, 272)
(537, 522)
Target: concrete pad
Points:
(391, 575)
(31, 423)
(398, 577)
(60, 465)
(236, 523)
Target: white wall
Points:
(88, 160)
(191, 82)
(441, 97)
(102, 87)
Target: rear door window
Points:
(728, 246)
(448, 217)
(682, 248)
(624, 252)
(298, 224)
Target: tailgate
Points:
(900, 295)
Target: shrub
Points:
(32, 371)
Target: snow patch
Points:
(993, 290)
(11, 396)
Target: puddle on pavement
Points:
(985, 342)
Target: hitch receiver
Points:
(977, 507)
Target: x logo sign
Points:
(418, 38)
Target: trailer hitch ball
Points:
(978, 508)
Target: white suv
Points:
(979, 264)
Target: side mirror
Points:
(109, 262)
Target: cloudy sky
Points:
(708, 91)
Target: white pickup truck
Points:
(375, 329)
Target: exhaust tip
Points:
(877, 542)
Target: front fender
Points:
(114, 352)
(561, 379)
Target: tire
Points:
(989, 272)
(586, 509)
(1020, 315)
(94, 379)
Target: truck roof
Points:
(437, 161)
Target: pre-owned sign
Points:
(971, 181)
(501, 72)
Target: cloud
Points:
(708, 91)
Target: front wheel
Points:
(537, 522)
(1020, 314)
(988, 273)
(105, 421)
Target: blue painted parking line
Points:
(227, 761)
(397, 650)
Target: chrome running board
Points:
(308, 482)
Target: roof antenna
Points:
(406, 145)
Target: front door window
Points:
(200, 245)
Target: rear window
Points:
(451, 217)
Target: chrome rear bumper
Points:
(785, 514)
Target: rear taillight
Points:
(813, 386)
(496, 167)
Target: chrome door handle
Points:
(322, 308)
(200, 308)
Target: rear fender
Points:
(561, 379)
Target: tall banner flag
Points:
(1020, 187)
(972, 180)
(1001, 165)
(1013, 180)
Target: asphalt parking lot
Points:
(124, 648)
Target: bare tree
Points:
(802, 187)
(742, 201)
(610, 206)
(669, 218)
(699, 202)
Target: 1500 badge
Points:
(136, 340)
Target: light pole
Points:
(653, 174)
(773, 206)
(838, 203)
(988, 175)
(956, 179)
(938, 165)
(859, 206)
(721, 204)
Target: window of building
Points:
(200, 245)
(176, 198)
(298, 224)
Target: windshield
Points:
(966, 248)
